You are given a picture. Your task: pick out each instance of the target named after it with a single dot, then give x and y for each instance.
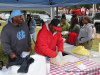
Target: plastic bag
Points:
(71, 58)
(81, 50)
(24, 54)
(58, 60)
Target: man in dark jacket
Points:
(15, 37)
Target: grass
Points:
(2, 24)
(36, 32)
(5, 57)
(95, 45)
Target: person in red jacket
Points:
(48, 38)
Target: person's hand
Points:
(47, 58)
(59, 57)
(80, 39)
(14, 56)
(30, 49)
(66, 40)
(68, 33)
(30, 27)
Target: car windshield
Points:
(58, 16)
(35, 16)
(1, 15)
(68, 17)
(7, 15)
(44, 16)
(97, 16)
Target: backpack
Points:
(94, 35)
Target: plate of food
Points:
(64, 32)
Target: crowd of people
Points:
(83, 37)
(15, 36)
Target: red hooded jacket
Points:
(46, 42)
(72, 37)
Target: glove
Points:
(47, 58)
(59, 57)
(60, 54)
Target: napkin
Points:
(81, 66)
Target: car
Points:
(92, 18)
(96, 19)
(41, 18)
(68, 17)
(58, 17)
(6, 16)
(1, 16)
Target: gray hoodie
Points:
(15, 39)
(85, 36)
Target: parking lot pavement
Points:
(38, 26)
(2, 21)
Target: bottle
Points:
(91, 54)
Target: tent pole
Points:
(25, 15)
(51, 12)
(93, 11)
(57, 12)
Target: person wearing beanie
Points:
(15, 36)
(64, 25)
(48, 38)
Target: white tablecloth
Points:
(67, 45)
(68, 50)
(39, 67)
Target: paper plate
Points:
(64, 32)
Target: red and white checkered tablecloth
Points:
(71, 69)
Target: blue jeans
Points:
(35, 53)
(47, 58)
(33, 37)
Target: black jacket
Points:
(23, 62)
